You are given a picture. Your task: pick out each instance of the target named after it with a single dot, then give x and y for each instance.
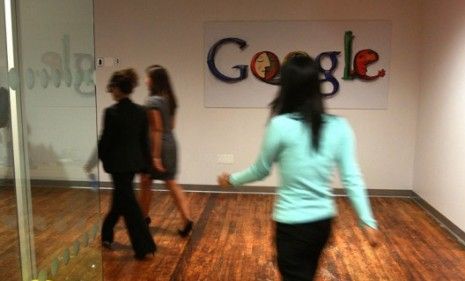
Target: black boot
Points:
(187, 229)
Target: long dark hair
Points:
(161, 85)
(300, 93)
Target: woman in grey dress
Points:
(161, 107)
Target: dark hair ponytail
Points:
(300, 93)
(125, 80)
(161, 85)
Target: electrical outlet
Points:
(100, 62)
(225, 158)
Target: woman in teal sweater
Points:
(307, 145)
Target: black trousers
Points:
(299, 247)
(124, 204)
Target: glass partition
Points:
(10, 266)
(54, 237)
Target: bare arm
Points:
(156, 133)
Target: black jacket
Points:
(4, 107)
(124, 143)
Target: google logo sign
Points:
(265, 65)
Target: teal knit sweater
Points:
(304, 193)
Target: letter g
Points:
(211, 60)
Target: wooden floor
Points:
(9, 240)
(232, 240)
(61, 216)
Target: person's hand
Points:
(87, 169)
(372, 235)
(158, 165)
(223, 180)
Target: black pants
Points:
(299, 248)
(124, 204)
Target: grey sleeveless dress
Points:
(168, 147)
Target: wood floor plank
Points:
(119, 264)
(233, 240)
(60, 217)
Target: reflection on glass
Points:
(56, 83)
(9, 239)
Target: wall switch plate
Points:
(225, 158)
(107, 62)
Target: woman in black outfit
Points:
(124, 151)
